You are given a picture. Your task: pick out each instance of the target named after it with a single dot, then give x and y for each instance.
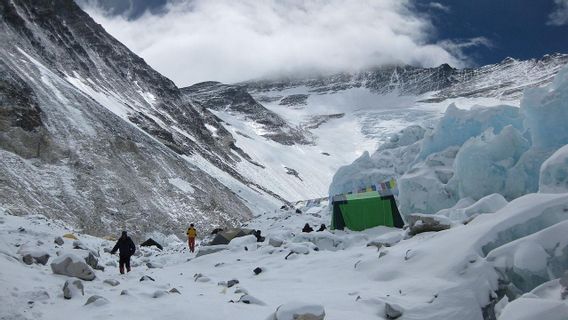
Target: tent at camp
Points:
(364, 210)
(225, 236)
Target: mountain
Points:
(338, 117)
(504, 80)
(229, 98)
(91, 134)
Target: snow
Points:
(466, 208)
(546, 113)
(482, 164)
(554, 172)
(182, 185)
(530, 309)
(532, 260)
(336, 270)
(458, 125)
(212, 129)
(472, 153)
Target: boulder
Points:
(198, 277)
(232, 282)
(31, 254)
(27, 259)
(159, 294)
(58, 241)
(72, 266)
(248, 299)
(41, 259)
(564, 286)
(153, 265)
(393, 311)
(93, 262)
(418, 223)
(241, 290)
(257, 270)
(97, 300)
(299, 311)
(112, 282)
(203, 279)
(275, 242)
(147, 278)
(72, 288)
(77, 244)
(203, 250)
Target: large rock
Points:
(275, 242)
(419, 223)
(248, 299)
(32, 255)
(59, 241)
(72, 266)
(97, 300)
(298, 311)
(147, 278)
(93, 262)
(564, 286)
(41, 259)
(72, 288)
(203, 250)
(393, 311)
(112, 282)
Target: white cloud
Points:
(234, 41)
(456, 48)
(559, 16)
(439, 6)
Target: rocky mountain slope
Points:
(91, 134)
(505, 80)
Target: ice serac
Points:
(471, 154)
(89, 133)
(554, 172)
(392, 159)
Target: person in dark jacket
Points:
(126, 249)
(258, 235)
(322, 228)
(307, 228)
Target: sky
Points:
(191, 41)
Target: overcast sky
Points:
(231, 41)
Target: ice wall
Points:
(474, 153)
(554, 172)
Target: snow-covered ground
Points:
(451, 274)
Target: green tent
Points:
(365, 210)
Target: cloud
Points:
(439, 6)
(233, 41)
(457, 48)
(559, 16)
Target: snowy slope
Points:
(452, 274)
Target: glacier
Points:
(472, 153)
